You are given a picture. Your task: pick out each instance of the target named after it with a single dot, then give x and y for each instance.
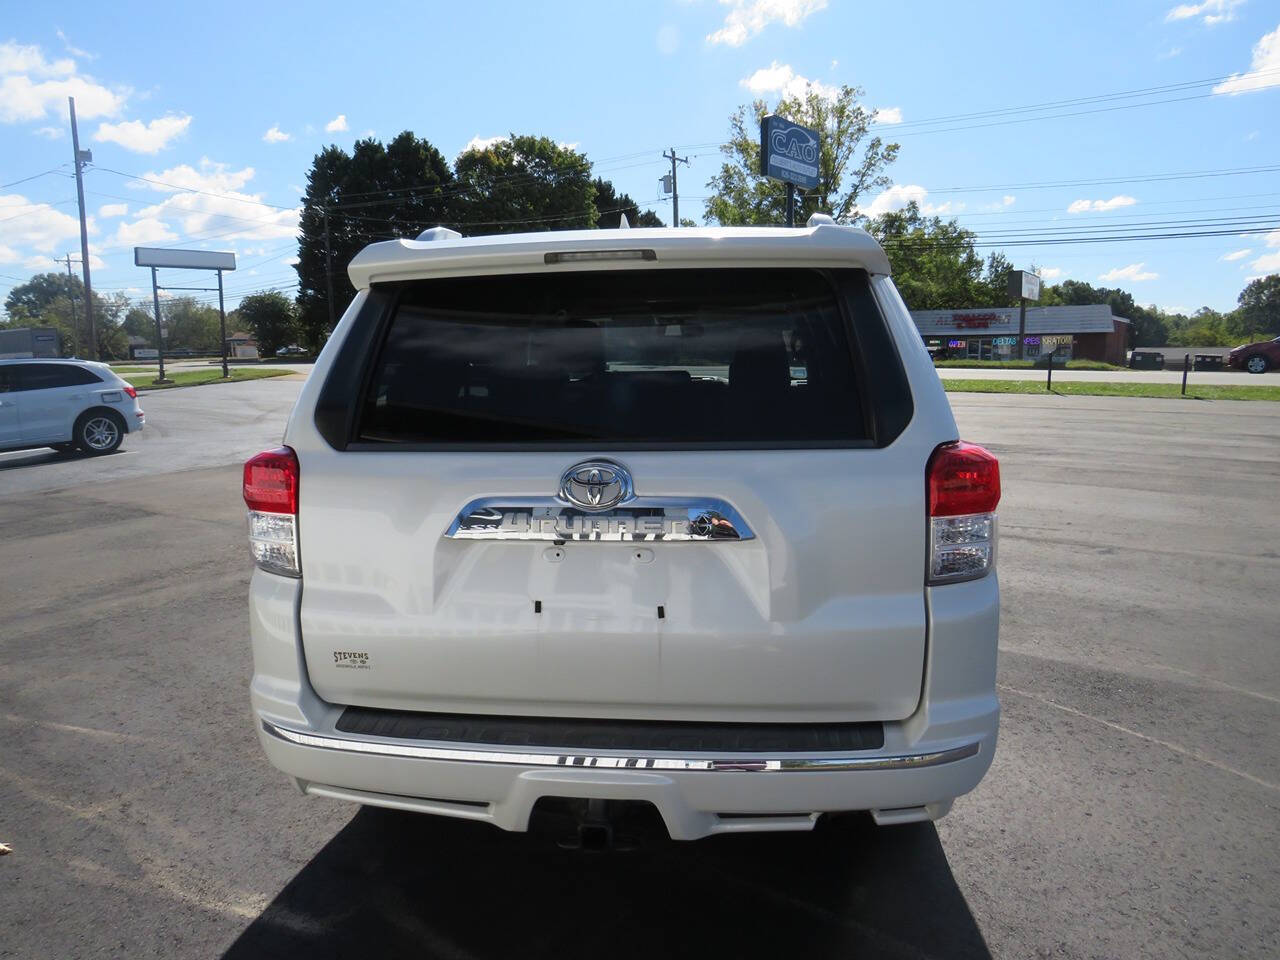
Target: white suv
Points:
(65, 404)
(671, 516)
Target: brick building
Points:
(1088, 332)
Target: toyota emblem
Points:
(596, 484)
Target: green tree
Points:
(192, 326)
(1260, 306)
(140, 322)
(935, 262)
(611, 205)
(1151, 327)
(56, 300)
(851, 161)
(524, 183)
(272, 317)
(376, 192)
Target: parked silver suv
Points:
(670, 516)
(67, 405)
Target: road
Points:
(186, 428)
(1130, 811)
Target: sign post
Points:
(1025, 286)
(790, 153)
(156, 257)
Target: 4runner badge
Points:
(597, 501)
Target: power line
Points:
(34, 176)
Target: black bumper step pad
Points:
(639, 735)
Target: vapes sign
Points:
(789, 152)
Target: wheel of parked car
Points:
(1257, 364)
(99, 432)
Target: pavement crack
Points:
(1167, 744)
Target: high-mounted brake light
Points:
(963, 483)
(583, 256)
(271, 494)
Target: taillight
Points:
(271, 494)
(130, 390)
(963, 483)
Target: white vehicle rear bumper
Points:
(939, 753)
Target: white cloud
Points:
(337, 124)
(276, 135)
(1170, 53)
(1050, 273)
(212, 177)
(899, 195)
(142, 231)
(744, 20)
(1251, 135)
(481, 143)
(75, 51)
(1084, 206)
(8, 254)
(33, 87)
(1132, 273)
(1264, 68)
(15, 58)
(232, 213)
(888, 115)
(144, 137)
(37, 225)
(1269, 262)
(1236, 254)
(50, 133)
(1211, 11)
(113, 210)
(780, 79)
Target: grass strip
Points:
(1170, 391)
(198, 378)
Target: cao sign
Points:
(789, 152)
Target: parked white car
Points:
(670, 516)
(65, 404)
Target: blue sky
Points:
(235, 99)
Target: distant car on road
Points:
(1256, 357)
(290, 351)
(65, 404)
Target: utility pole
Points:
(328, 267)
(75, 320)
(81, 158)
(675, 189)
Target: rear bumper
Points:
(940, 752)
(696, 795)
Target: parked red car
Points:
(1256, 357)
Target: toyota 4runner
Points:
(671, 516)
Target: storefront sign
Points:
(1032, 341)
(1023, 284)
(975, 321)
(956, 343)
(1005, 341)
(789, 152)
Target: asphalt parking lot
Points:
(1131, 810)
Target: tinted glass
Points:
(45, 376)
(684, 356)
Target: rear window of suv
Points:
(667, 357)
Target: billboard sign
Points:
(789, 152)
(183, 259)
(1024, 284)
